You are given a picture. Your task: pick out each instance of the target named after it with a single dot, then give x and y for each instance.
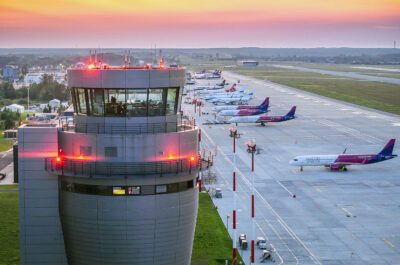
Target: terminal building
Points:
(118, 185)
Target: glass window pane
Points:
(171, 101)
(156, 104)
(97, 101)
(136, 100)
(81, 100)
(74, 101)
(135, 190)
(161, 189)
(118, 191)
(115, 102)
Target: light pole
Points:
(227, 220)
(251, 148)
(233, 133)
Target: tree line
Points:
(46, 90)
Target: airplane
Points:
(234, 99)
(263, 119)
(239, 93)
(208, 90)
(256, 110)
(221, 108)
(339, 162)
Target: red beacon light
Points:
(192, 158)
(58, 159)
(161, 64)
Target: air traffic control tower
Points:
(118, 186)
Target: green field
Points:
(5, 144)
(211, 245)
(376, 95)
(9, 240)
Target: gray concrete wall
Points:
(154, 229)
(41, 239)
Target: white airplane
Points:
(339, 162)
(263, 119)
(230, 107)
(246, 110)
(211, 90)
(233, 100)
(212, 97)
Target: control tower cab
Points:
(125, 171)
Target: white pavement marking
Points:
(279, 218)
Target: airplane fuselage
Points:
(337, 162)
(242, 112)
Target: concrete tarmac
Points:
(336, 217)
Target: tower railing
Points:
(81, 167)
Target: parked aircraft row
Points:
(207, 74)
(256, 114)
(253, 113)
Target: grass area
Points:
(212, 244)
(376, 95)
(9, 187)
(5, 144)
(9, 238)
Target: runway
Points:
(345, 74)
(337, 217)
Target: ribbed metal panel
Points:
(154, 229)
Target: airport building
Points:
(118, 186)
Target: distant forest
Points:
(41, 57)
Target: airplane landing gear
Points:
(301, 169)
(262, 123)
(344, 168)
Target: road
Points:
(344, 74)
(337, 217)
(6, 166)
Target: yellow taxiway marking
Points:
(388, 243)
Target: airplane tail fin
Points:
(388, 149)
(265, 103)
(231, 89)
(291, 112)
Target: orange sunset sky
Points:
(201, 23)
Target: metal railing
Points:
(76, 167)
(142, 128)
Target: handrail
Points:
(145, 128)
(91, 168)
